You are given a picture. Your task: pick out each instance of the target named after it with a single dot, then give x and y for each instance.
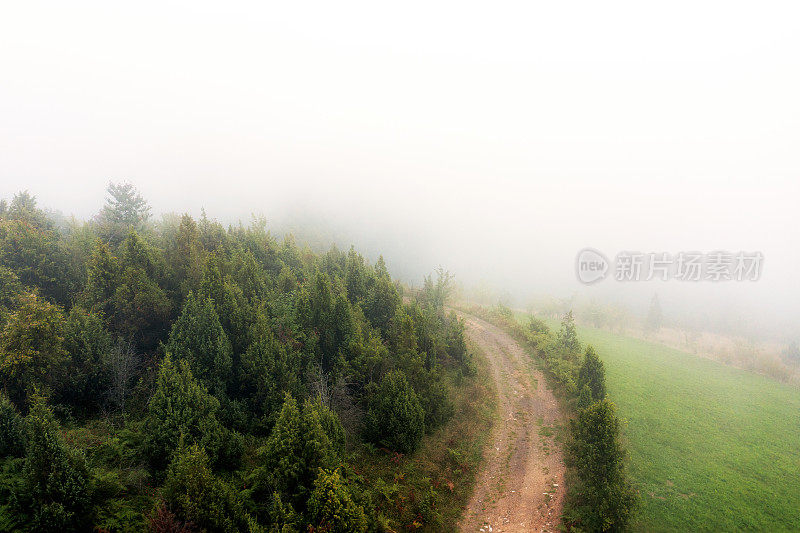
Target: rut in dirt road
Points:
(521, 484)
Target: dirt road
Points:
(521, 485)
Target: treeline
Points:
(183, 376)
(600, 496)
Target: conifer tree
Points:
(12, 429)
(593, 375)
(606, 496)
(197, 336)
(297, 448)
(196, 495)
(395, 417)
(567, 336)
(102, 279)
(331, 507)
(55, 479)
(181, 408)
(125, 209)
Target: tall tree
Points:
(395, 417)
(331, 507)
(181, 408)
(32, 352)
(302, 441)
(654, 315)
(55, 486)
(125, 210)
(593, 375)
(606, 496)
(197, 336)
(567, 337)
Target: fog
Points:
(496, 140)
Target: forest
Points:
(178, 375)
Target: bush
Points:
(395, 417)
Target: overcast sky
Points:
(494, 138)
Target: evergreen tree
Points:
(331, 507)
(88, 375)
(35, 255)
(593, 375)
(381, 303)
(268, 370)
(125, 210)
(181, 408)
(395, 417)
(297, 448)
(606, 498)
(196, 495)
(567, 337)
(654, 315)
(186, 256)
(12, 429)
(102, 279)
(141, 308)
(55, 479)
(197, 336)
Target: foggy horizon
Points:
(497, 149)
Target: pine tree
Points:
(197, 336)
(567, 336)
(297, 448)
(196, 495)
(181, 408)
(593, 375)
(12, 429)
(395, 417)
(331, 507)
(55, 479)
(605, 495)
(125, 209)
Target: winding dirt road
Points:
(521, 484)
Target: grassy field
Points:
(712, 448)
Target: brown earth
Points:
(521, 484)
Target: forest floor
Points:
(520, 486)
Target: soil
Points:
(521, 484)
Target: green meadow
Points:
(712, 447)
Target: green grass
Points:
(712, 448)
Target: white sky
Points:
(495, 138)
